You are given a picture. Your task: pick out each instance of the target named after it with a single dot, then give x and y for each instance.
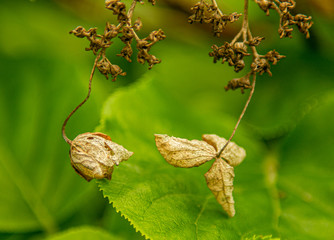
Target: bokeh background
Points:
(44, 74)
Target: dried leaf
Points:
(220, 181)
(233, 154)
(93, 155)
(184, 153)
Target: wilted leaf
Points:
(220, 181)
(233, 154)
(181, 152)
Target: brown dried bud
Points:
(265, 5)
(255, 41)
(220, 181)
(273, 56)
(126, 52)
(81, 32)
(261, 66)
(106, 68)
(233, 154)
(137, 25)
(184, 153)
(110, 31)
(242, 83)
(93, 155)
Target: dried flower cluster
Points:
(126, 31)
(210, 13)
(93, 155)
(234, 52)
(184, 153)
(284, 8)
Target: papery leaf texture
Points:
(219, 179)
(181, 152)
(233, 154)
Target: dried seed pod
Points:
(93, 155)
(233, 154)
(184, 153)
(220, 181)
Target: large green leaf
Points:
(305, 175)
(164, 202)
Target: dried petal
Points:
(233, 154)
(93, 155)
(220, 181)
(184, 153)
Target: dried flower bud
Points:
(184, 153)
(255, 41)
(93, 155)
(242, 83)
(265, 5)
(110, 31)
(220, 181)
(106, 68)
(273, 56)
(126, 52)
(261, 66)
(198, 9)
(240, 47)
(137, 25)
(233, 154)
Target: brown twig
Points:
(88, 95)
(240, 117)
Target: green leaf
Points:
(164, 202)
(305, 175)
(84, 233)
(39, 88)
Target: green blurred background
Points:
(44, 75)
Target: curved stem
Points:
(240, 117)
(88, 95)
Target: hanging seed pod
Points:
(93, 155)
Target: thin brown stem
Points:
(88, 95)
(254, 51)
(245, 21)
(131, 10)
(214, 3)
(240, 117)
(129, 15)
(244, 27)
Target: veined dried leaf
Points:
(233, 154)
(220, 181)
(181, 152)
(93, 155)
